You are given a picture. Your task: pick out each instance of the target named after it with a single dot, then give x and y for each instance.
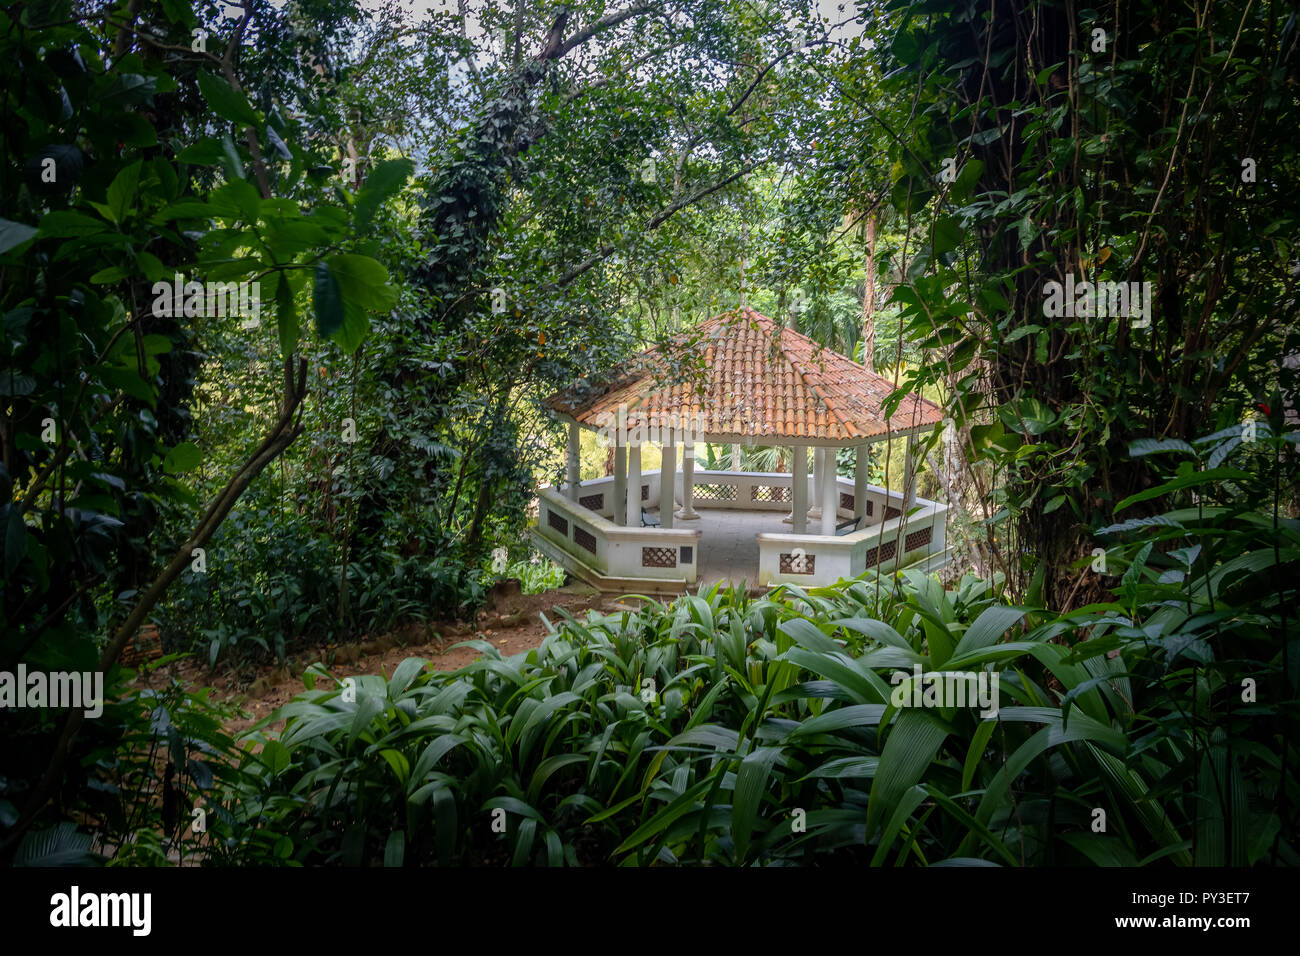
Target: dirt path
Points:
(509, 620)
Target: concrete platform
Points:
(728, 548)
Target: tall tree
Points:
(1049, 148)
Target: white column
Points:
(799, 483)
(735, 457)
(794, 453)
(571, 462)
(830, 492)
(909, 475)
(815, 511)
(634, 486)
(687, 511)
(667, 478)
(860, 484)
(620, 484)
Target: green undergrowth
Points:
(726, 729)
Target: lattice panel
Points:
(584, 538)
(881, 554)
(846, 501)
(806, 563)
(593, 502)
(916, 539)
(769, 493)
(892, 513)
(688, 554)
(658, 557)
(715, 493)
(645, 492)
(558, 522)
(871, 508)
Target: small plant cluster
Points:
(535, 575)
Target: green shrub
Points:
(723, 729)
(144, 782)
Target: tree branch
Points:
(654, 222)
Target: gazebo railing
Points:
(597, 494)
(746, 491)
(614, 551)
(819, 559)
(771, 491)
(585, 533)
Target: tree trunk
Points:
(280, 436)
(869, 296)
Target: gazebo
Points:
(738, 379)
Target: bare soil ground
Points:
(510, 620)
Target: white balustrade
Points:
(583, 530)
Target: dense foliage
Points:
(728, 730)
(443, 221)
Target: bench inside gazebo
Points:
(661, 531)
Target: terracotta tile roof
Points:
(754, 381)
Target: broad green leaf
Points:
(13, 234)
(122, 191)
(1151, 446)
(368, 707)
(363, 282)
(385, 181)
(912, 744)
(226, 101)
(436, 750)
(876, 630)
(209, 151)
(688, 801)
(41, 13)
(63, 224)
(327, 301)
(1028, 416)
(807, 634)
(848, 767)
(400, 765)
(751, 781)
(356, 326)
(1194, 480)
(404, 674)
(183, 457)
(395, 848)
(975, 752)
(231, 162)
(237, 199)
(993, 622)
